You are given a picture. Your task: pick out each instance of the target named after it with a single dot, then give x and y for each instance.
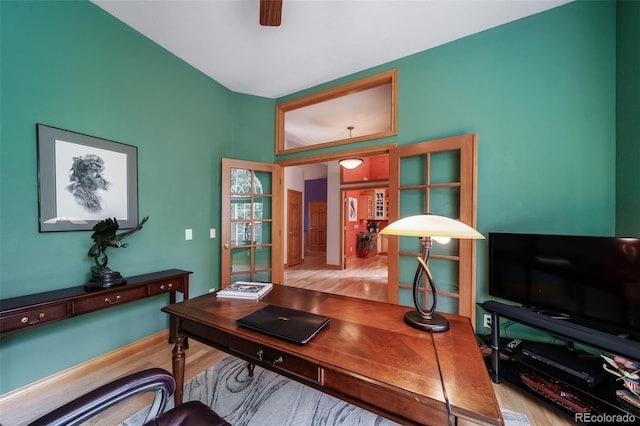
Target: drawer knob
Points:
(168, 286)
(25, 320)
(112, 302)
(278, 360)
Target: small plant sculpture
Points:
(104, 236)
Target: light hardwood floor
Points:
(363, 278)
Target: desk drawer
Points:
(263, 355)
(176, 284)
(31, 317)
(102, 300)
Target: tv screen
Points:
(592, 280)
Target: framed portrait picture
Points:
(353, 209)
(83, 179)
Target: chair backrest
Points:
(85, 407)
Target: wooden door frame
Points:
(277, 217)
(468, 144)
(320, 158)
(278, 207)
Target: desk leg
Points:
(495, 347)
(178, 359)
(173, 322)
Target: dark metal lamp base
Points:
(437, 323)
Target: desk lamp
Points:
(428, 227)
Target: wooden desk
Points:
(366, 355)
(35, 310)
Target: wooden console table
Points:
(34, 310)
(366, 355)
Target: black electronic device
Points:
(285, 323)
(594, 281)
(513, 346)
(578, 364)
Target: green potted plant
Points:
(373, 227)
(365, 243)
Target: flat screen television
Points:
(594, 281)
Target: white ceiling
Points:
(317, 42)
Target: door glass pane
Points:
(240, 259)
(413, 171)
(412, 202)
(263, 183)
(446, 249)
(445, 274)
(407, 270)
(263, 258)
(262, 232)
(264, 277)
(445, 167)
(240, 207)
(262, 207)
(240, 181)
(445, 201)
(240, 233)
(240, 277)
(447, 303)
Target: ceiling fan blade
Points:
(270, 13)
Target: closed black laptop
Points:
(286, 323)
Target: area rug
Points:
(268, 399)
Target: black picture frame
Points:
(84, 179)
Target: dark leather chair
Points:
(154, 380)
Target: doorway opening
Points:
(331, 260)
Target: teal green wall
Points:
(540, 93)
(72, 65)
(628, 125)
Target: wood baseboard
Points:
(81, 370)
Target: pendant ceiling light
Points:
(350, 163)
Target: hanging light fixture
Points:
(350, 163)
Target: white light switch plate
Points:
(188, 234)
(212, 233)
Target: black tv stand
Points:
(582, 376)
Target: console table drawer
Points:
(99, 301)
(166, 286)
(280, 360)
(31, 317)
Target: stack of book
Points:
(245, 290)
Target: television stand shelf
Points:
(531, 374)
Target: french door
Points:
(251, 234)
(437, 177)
